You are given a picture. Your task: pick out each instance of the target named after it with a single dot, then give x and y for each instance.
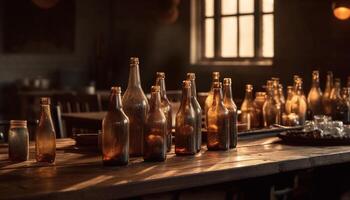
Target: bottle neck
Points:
(217, 96)
(161, 83)
(115, 102)
(227, 91)
(329, 83)
(134, 76)
(248, 95)
(315, 82)
(155, 101)
(186, 95)
(193, 89)
(46, 110)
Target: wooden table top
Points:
(79, 174)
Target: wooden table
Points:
(79, 174)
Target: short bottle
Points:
(18, 141)
(185, 133)
(260, 98)
(166, 107)
(45, 135)
(197, 109)
(156, 133)
(326, 100)
(248, 114)
(290, 94)
(314, 98)
(232, 108)
(115, 132)
(209, 99)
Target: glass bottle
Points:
(185, 133)
(156, 133)
(218, 116)
(166, 107)
(232, 108)
(209, 99)
(282, 99)
(326, 101)
(314, 98)
(45, 135)
(135, 106)
(248, 114)
(18, 141)
(340, 108)
(197, 109)
(290, 94)
(115, 132)
(277, 99)
(298, 102)
(260, 98)
(271, 107)
(346, 103)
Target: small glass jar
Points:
(18, 141)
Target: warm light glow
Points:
(342, 13)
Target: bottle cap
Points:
(134, 61)
(216, 75)
(186, 84)
(45, 101)
(160, 75)
(227, 81)
(191, 76)
(116, 89)
(18, 123)
(217, 85)
(155, 88)
(249, 87)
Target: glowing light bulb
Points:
(341, 13)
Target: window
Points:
(232, 32)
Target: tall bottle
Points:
(314, 99)
(115, 132)
(298, 102)
(339, 105)
(209, 99)
(166, 107)
(232, 108)
(282, 99)
(248, 113)
(260, 98)
(185, 133)
(271, 108)
(45, 136)
(218, 122)
(136, 107)
(326, 100)
(277, 99)
(290, 94)
(156, 133)
(197, 109)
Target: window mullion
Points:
(217, 27)
(238, 34)
(258, 31)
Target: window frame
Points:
(198, 36)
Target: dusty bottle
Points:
(156, 133)
(166, 107)
(248, 114)
(115, 132)
(271, 107)
(135, 106)
(314, 99)
(218, 122)
(326, 100)
(209, 99)
(45, 135)
(197, 109)
(185, 133)
(290, 94)
(340, 109)
(298, 102)
(260, 98)
(232, 109)
(18, 141)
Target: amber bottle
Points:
(298, 102)
(260, 98)
(209, 99)
(45, 135)
(272, 106)
(185, 133)
(155, 137)
(166, 107)
(115, 132)
(249, 115)
(197, 109)
(136, 106)
(340, 109)
(282, 98)
(290, 94)
(232, 109)
(314, 99)
(346, 100)
(326, 100)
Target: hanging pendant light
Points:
(341, 9)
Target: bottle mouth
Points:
(18, 123)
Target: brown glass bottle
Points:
(340, 109)
(346, 103)
(326, 100)
(209, 99)
(260, 98)
(185, 133)
(232, 109)
(45, 135)
(135, 106)
(290, 94)
(271, 107)
(298, 102)
(156, 133)
(282, 98)
(115, 132)
(166, 107)
(314, 99)
(248, 114)
(197, 109)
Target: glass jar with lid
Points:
(18, 141)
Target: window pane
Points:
(228, 7)
(246, 36)
(268, 36)
(209, 8)
(229, 37)
(246, 6)
(209, 38)
(268, 5)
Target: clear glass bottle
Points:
(45, 135)
(166, 107)
(156, 133)
(314, 98)
(18, 141)
(232, 109)
(218, 116)
(135, 106)
(326, 100)
(271, 107)
(197, 108)
(248, 114)
(260, 98)
(209, 99)
(185, 133)
(298, 102)
(115, 132)
(290, 94)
